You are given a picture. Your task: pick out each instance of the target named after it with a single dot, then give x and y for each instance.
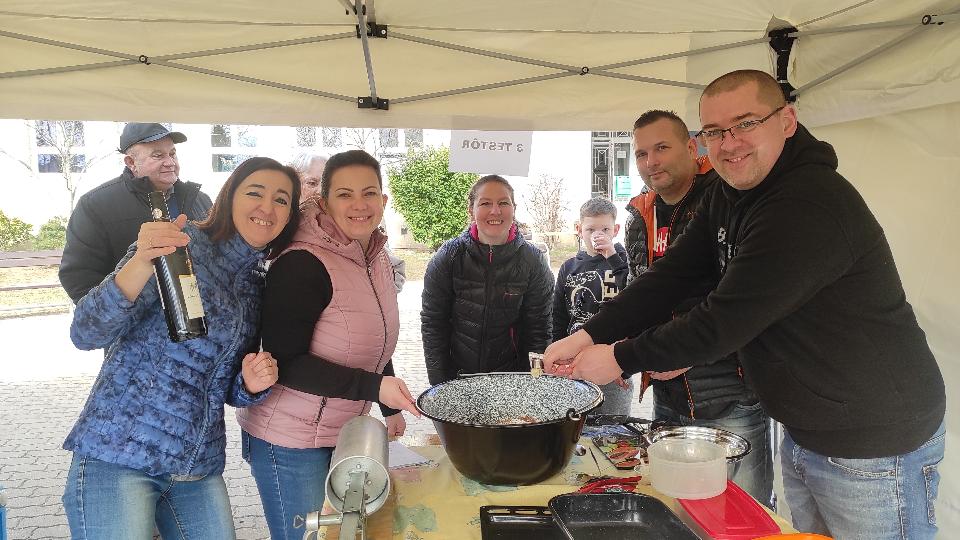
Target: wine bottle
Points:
(179, 293)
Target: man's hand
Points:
(396, 425)
(562, 352)
(597, 365)
(259, 371)
(394, 394)
(667, 375)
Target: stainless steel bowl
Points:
(736, 446)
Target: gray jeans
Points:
(616, 399)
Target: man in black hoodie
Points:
(811, 300)
(107, 218)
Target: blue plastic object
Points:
(3, 514)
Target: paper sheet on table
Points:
(401, 456)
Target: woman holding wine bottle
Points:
(148, 448)
(330, 316)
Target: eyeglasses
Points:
(715, 136)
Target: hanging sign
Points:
(491, 152)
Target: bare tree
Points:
(381, 143)
(61, 149)
(547, 205)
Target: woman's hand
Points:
(156, 238)
(259, 371)
(396, 425)
(394, 394)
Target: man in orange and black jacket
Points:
(713, 395)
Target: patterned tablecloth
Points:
(437, 502)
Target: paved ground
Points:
(44, 381)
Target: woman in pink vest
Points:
(330, 317)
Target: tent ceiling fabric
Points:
(318, 79)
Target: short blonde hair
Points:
(768, 89)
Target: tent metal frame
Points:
(368, 28)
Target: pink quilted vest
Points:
(359, 328)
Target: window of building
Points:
(53, 163)
(226, 162)
(56, 139)
(246, 136)
(306, 136)
(389, 138)
(621, 159)
(220, 136)
(59, 133)
(413, 138)
(332, 138)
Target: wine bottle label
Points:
(191, 296)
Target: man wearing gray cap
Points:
(107, 218)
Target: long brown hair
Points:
(219, 222)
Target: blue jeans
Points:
(877, 499)
(290, 481)
(107, 501)
(755, 472)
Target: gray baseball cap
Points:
(135, 133)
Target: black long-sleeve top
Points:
(298, 290)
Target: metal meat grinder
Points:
(358, 483)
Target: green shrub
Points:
(431, 199)
(14, 234)
(53, 234)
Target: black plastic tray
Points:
(604, 516)
(518, 523)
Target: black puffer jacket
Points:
(107, 220)
(484, 307)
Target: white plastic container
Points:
(688, 468)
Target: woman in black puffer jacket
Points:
(487, 294)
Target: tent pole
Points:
(251, 80)
(489, 54)
(66, 69)
(855, 27)
(680, 54)
(651, 80)
(856, 61)
(362, 31)
(482, 87)
(67, 45)
(254, 47)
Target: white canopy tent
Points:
(880, 79)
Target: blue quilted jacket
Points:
(157, 406)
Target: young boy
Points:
(595, 274)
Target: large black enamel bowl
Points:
(473, 414)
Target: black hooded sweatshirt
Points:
(810, 298)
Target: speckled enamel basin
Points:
(476, 420)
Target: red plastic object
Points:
(732, 515)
